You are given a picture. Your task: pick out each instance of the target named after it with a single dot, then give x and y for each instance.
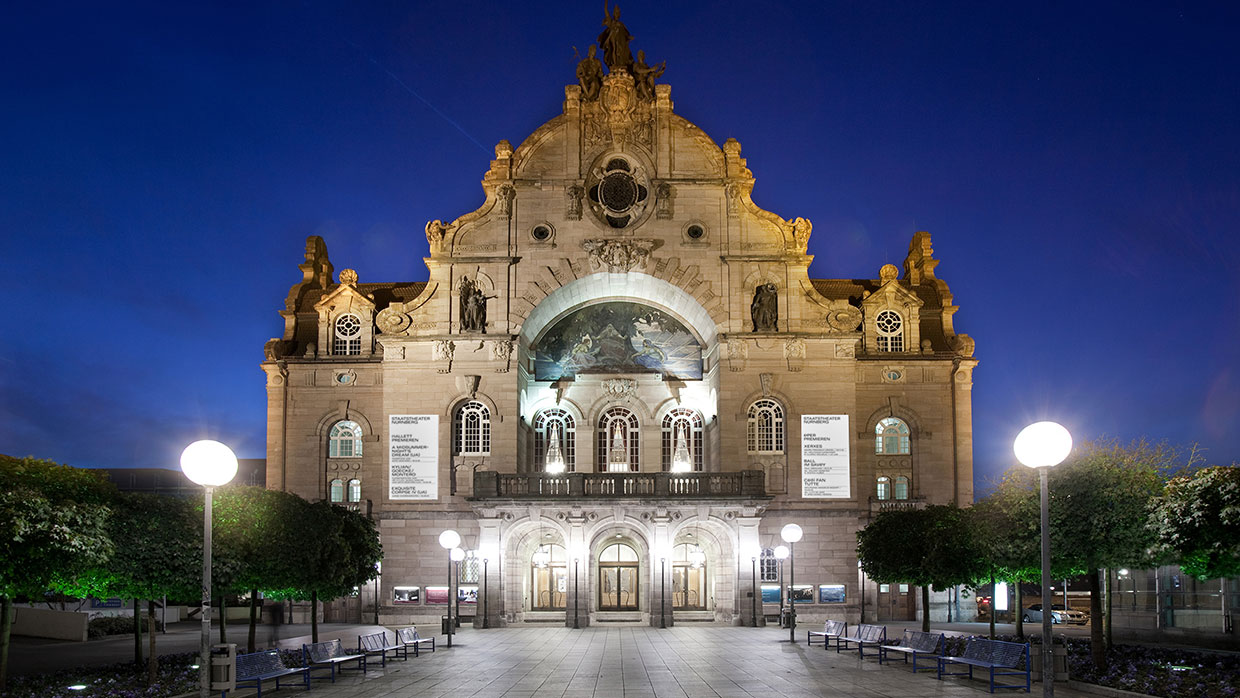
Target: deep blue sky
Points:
(1077, 164)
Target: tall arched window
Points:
(901, 489)
(559, 423)
(618, 439)
(882, 489)
(354, 492)
(471, 429)
(766, 427)
(687, 424)
(347, 335)
(890, 328)
(891, 437)
(335, 491)
(345, 440)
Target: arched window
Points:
(766, 427)
(355, 491)
(619, 449)
(618, 578)
(890, 328)
(901, 489)
(882, 489)
(891, 437)
(345, 440)
(557, 423)
(347, 335)
(471, 429)
(686, 424)
(335, 491)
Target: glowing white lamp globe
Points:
(781, 552)
(449, 539)
(457, 554)
(790, 533)
(208, 463)
(1042, 445)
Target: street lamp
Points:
(753, 595)
(486, 603)
(791, 533)
(449, 539)
(457, 555)
(210, 464)
(1043, 445)
(781, 554)
(576, 598)
(662, 592)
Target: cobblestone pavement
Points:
(640, 662)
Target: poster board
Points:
(825, 457)
(413, 456)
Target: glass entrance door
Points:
(550, 585)
(688, 583)
(618, 574)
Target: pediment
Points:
(344, 297)
(890, 294)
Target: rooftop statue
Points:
(614, 40)
(644, 76)
(590, 74)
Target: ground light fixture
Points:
(210, 464)
(1043, 445)
(791, 533)
(449, 539)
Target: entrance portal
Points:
(618, 578)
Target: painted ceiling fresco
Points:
(618, 337)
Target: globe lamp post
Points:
(1043, 445)
(781, 554)
(210, 464)
(449, 539)
(791, 534)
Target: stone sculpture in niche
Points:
(764, 310)
(473, 307)
(572, 202)
(614, 40)
(590, 75)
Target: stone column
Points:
(661, 572)
(748, 596)
(577, 600)
(491, 579)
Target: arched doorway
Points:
(549, 578)
(618, 588)
(688, 578)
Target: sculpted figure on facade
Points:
(645, 76)
(764, 309)
(473, 306)
(436, 232)
(572, 201)
(800, 229)
(618, 255)
(614, 40)
(590, 75)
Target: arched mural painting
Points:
(618, 337)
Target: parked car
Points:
(1059, 614)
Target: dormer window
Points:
(348, 335)
(890, 328)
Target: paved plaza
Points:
(641, 662)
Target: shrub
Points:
(109, 625)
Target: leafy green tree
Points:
(54, 519)
(1198, 520)
(1010, 523)
(937, 546)
(158, 543)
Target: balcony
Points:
(878, 506)
(493, 485)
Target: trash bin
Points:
(444, 625)
(223, 667)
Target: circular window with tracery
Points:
(618, 193)
(889, 325)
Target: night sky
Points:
(1078, 166)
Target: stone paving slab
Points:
(680, 662)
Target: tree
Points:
(1198, 520)
(937, 546)
(158, 542)
(55, 523)
(1009, 520)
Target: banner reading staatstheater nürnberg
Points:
(413, 456)
(825, 471)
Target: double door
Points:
(618, 587)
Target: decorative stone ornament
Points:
(619, 192)
(620, 387)
(794, 353)
(442, 352)
(843, 317)
(348, 277)
(618, 256)
(392, 321)
(572, 202)
(738, 355)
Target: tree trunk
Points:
(1097, 650)
(223, 620)
(253, 623)
(152, 662)
(6, 624)
(994, 603)
(137, 635)
(1020, 611)
(314, 616)
(1110, 590)
(925, 609)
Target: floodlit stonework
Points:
(619, 294)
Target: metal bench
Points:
(256, 667)
(832, 629)
(914, 642)
(377, 644)
(409, 637)
(992, 655)
(872, 635)
(329, 655)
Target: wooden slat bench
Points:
(256, 667)
(832, 629)
(410, 638)
(992, 655)
(377, 644)
(329, 655)
(862, 635)
(914, 642)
